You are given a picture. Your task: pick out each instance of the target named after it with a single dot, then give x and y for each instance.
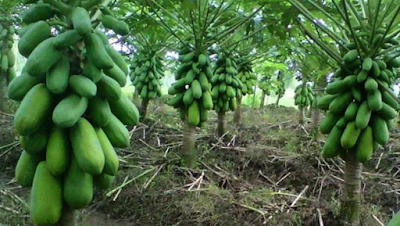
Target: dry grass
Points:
(266, 171)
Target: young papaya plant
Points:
(359, 101)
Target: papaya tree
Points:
(359, 101)
(197, 25)
(267, 87)
(304, 97)
(280, 91)
(248, 79)
(147, 70)
(147, 46)
(226, 82)
(226, 87)
(72, 112)
(7, 55)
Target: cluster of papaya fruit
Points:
(72, 111)
(192, 88)
(265, 86)
(147, 71)
(7, 56)
(225, 84)
(304, 95)
(246, 75)
(280, 90)
(360, 109)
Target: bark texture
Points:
(222, 128)
(188, 150)
(262, 100)
(145, 104)
(351, 201)
(67, 217)
(238, 113)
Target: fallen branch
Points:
(128, 182)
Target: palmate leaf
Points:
(356, 15)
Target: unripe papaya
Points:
(324, 101)
(118, 26)
(328, 122)
(380, 130)
(81, 21)
(363, 115)
(42, 58)
(82, 86)
(103, 181)
(38, 32)
(67, 39)
(194, 114)
(99, 111)
(350, 135)
(109, 88)
(25, 169)
(78, 186)
(57, 78)
(35, 143)
(116, 132)
(375, 100)
(96, 52)
(125, 110)
(33, 110)
(86, 147)
(340, 103)
(57, 151)
(111, 159)
(46, 197)
(365, 145)
(332, 145)
(69, 110)
(20, 86)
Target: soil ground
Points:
(265, 171)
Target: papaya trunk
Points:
(238, 113)
(188, 150)
(135, 96)
(301, 115)
(3, 92)
(351, 200)
(221, 124)
(145, 104)
(277, 101)
(315, 118)
(262, 100)
(67, 217)
(254, 96)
